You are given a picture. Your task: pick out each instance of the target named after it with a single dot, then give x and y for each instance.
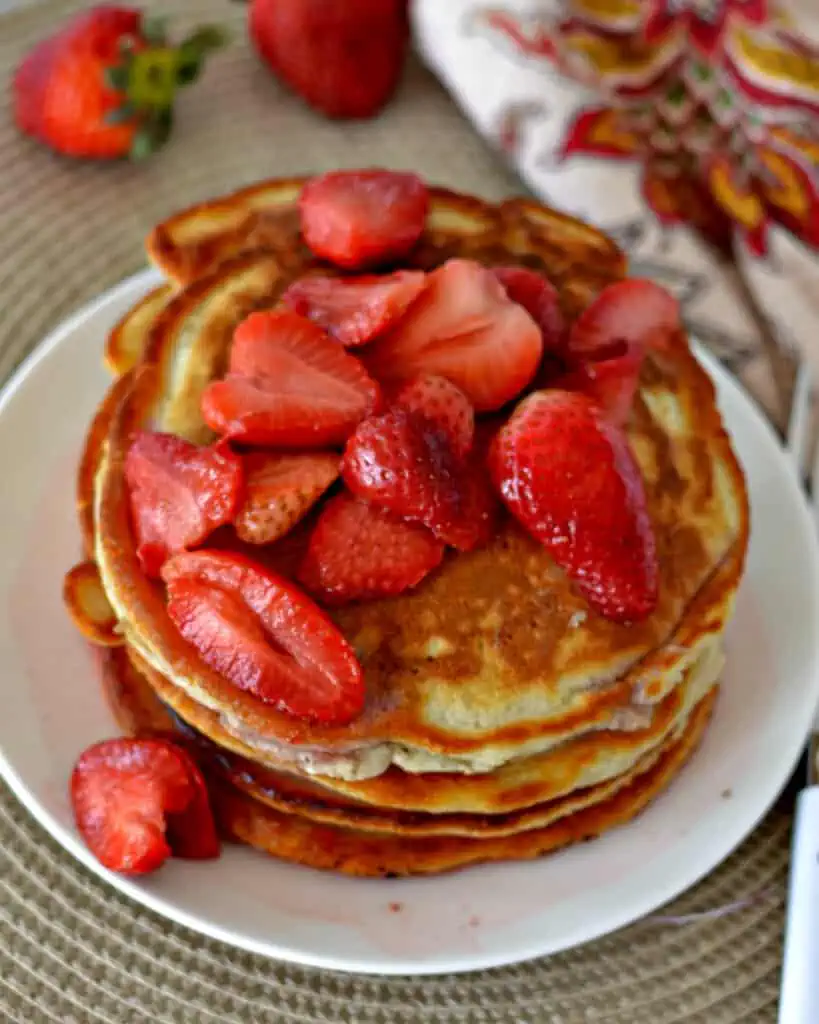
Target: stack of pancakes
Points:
(504, 717)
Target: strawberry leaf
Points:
(116, 77)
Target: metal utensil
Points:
(799, 997)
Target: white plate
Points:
(482, 917)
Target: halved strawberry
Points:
(192, 833)
(569, 476)
(354, 310)
(360, 218)
(282, 556)
(288, 385)
(136, 801)
(264, 635)
(442, 404)
(358, 552)
(279, 490)
(540, 299)
(179, 493)
(465, 328)
(406, 464)
(636, 312)
(611, 382)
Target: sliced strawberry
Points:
(136, 801)
(282, 556)
(611, 383)
(179, 493)
(361, 218)
(443, 405)
(354, 310)
(465, 328)
(279, 490)
(636, 312)
(406, 464)
(552, 367)
(288, 385)
(192, 833)
(358, 553)
(264, 635)
(540, 299)
(569, 476)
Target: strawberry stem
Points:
(146, 79)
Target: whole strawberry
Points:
(103, 86)
(344, 57)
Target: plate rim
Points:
(381, 965)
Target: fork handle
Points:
(799, 1001)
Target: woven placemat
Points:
(73, 950)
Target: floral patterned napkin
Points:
(688, 129)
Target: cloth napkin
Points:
(494, 59)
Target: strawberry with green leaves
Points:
(103, 86)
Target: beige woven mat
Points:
(72, 950)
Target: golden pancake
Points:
(302, 838)
(493, 657)
(590, 758)
(504, 718)
(360, 853)
(126, 342)
(264, 217)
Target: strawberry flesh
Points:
(569, 476)
(405, 463)
(288, 385)
(444, 405)
(179, 494)
(540, 299)
(635, 312)
(357, 219)
(610, 338)
(136, 801)
(264, 635)
(358, 552)
(354, 310)
(463, 327)
(279, 490)
(611, 382)
(192, 832)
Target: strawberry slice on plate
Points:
(358, 552)
(444, 405)
(569, 476)
(136, 801)
(636, 312)
(288, 385)
(463, 327)
(354, 310)
(540, 299)
(406, 464)
(279, 490)
(264, 635)
(179, 493)
(358, 219)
